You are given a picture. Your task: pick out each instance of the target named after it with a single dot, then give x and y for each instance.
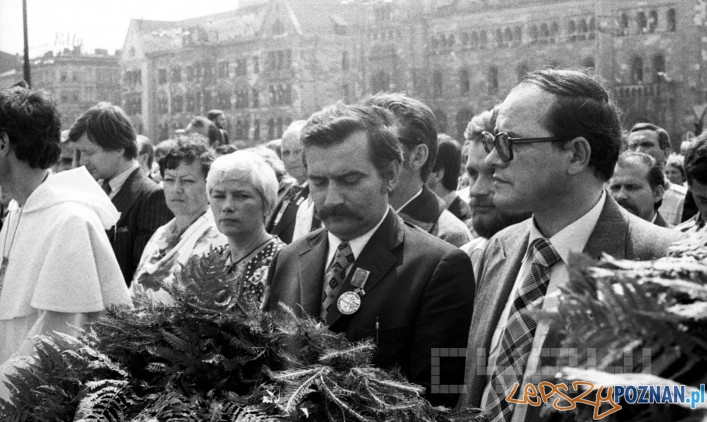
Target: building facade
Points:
(76, 80)
(275, 61)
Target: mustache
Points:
(341, 210)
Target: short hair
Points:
(212, 132)
(187, 151)
(163, 147)
(677, 161)
(483, 122)
(213, 114)
(415, 122)
(582, 109)
(248, 167)
(295, 126)
(225, 149)
(696, 160)
(655, 175)
(272, 159)
(31, 122)
(335, 123)
(145, 147)
(107, 126)
(449, 159)
(663, 137)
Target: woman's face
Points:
(674, 174)
(237, 207)
(185, 189)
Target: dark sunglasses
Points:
(504, 143)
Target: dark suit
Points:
(143, 209)
(285, 227)
(428, 212)
(419, 292)
(660, 221)
(618, 233)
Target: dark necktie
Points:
(106, 187)
(517, 338)
(334, 276)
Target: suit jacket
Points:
(660, 221)
(459, 208)
(143, 210)
(285, 227)
(617, 232)
(428, 212)
(418, 298)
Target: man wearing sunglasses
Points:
(555, 144)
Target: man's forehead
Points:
(525, 103)
(643, 135)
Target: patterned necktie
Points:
(334, 276)
(517, 338)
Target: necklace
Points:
(233, 264)
(6, 251)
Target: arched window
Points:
(493, 80)
(463, 117)
(508, 35)
(533, 33)
(637, 70)
(592, 28)
(658, 67)
(518, 35)
(437, 83)
(464, 86)
(652, 21)
(641, 22)
(583, 30)
(672, 23)
(499, 38)
(588, 63)
(554, 31)
(571, 31)
(623, 23)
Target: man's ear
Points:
(437, 176)
(418, 156)
(4, 144)
(580, 153)
(658, 192)
(391, 175)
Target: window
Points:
(207, 101)
(256, 97)
(474, 40)
(190, 73)
(256, 129)
(241, 67)
(271, 129)
(623, 24)
(223, 70)
(592, 28)
(518, 35)
(162, 105)
(270, 62)
(465, 38)
(583, 30)
(278, 128)
(637, 70)
(380, 81)
(658, 68)
(345, 61)
(464, 86)
(544, 33)
(588, 63)
(441, 118)
(162, 76)
(533, 33)
(483, 39)
(190, 103)
(177, 103)
(176, 74)
(554, 31)
(493, 80)
(571, 31)
(451, 41)
(463, 118)
(499, 38)
(280, 60)
(652, 21)
(256, 64)
(508, 36)
(437, 83)
(642, 22)
(278, 28)
(224, 101)
(671, 20)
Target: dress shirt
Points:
(117, 182)
(571, 239)
(303, 220)
(673, 203)
(356, 244)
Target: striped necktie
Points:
(517, 338)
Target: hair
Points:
(272, 159)
(163, 147)
(212, 132)
(248, 167)
(294, 127)
(213, 114)
(696, 160)
(145, 147)
(225, 149)
(335, 123)
(186, 151)
(655, 175)
(663, 137)
(483, 122)
(449, 159)
(275, 145)
(582, 109)
(677, 161)
(415, 122)
(31, 122)
(107, 126)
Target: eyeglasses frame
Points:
(512, 141)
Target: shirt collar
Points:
(356, 244)
(574, 237)
(410, 200)
(118, 181)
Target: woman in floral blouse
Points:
(192, 232)
(242, 190)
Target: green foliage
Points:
(211, 356)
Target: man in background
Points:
(696, 173)
(107, 142)
(445, 176)
(219, 120)
(637, 185)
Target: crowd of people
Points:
(362, 216)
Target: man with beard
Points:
(486, 219)
(637, 185)
(367, 274)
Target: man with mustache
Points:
(486, 219)
(367, 273)
(637, 185)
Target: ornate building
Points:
(270, 62)
(76, 80)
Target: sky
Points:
(55, 24)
